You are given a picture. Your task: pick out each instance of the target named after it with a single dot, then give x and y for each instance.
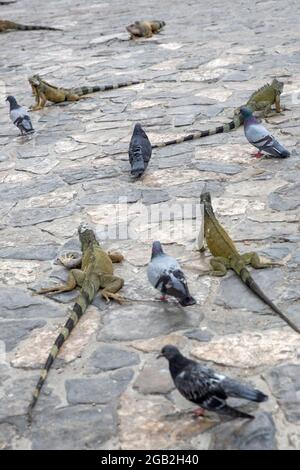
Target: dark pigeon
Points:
(205, 387)
(260, 137)
(165, 274)
(19, 116)
(139, 152)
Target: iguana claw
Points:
(110, 295)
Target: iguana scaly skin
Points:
(144, 29)
(44, 91)
(261, 101)
(226, 256)
(96, 273)
(10, 25)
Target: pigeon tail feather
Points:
(233, 412)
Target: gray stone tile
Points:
(258, 434)
(285, 384)
(102, 389)
(108, 357)
(60, 433)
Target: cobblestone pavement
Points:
(107, 390)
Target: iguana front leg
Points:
(41, 101)
(266, 108)
(110, 285)
(263, 109)
(253, 259)
(115, 256)
(219, 265)
(75, 278)
(277, 104)
(37, 99)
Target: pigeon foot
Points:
(257, 155)
(198, 412)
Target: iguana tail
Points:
(85, 90)
(24, 27)
(86, 296)
(234, 124)
(249, 281)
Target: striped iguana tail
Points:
(247, 279)
(234, 124)
(24, 27)
(88, 292)
(85, 90)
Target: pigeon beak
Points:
(159, 356)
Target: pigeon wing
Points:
(274, 148)
(147, 149)
(234, 388)
(177, 284)
(26, 123)
(199, 386)
(132, 148)
(18, 113)
(257, 134)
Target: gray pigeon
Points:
(260, 137)
(139, 152)
(205, 387)
(19, 116)
(165, 274)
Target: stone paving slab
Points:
(106, 390)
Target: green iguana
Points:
(144, 29)
(260, 101)
(6, 25)
(226, 256)
(44, 91)
(96, 273)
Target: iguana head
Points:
(134, 28)
(277, 85)
(205, 200)
(205, 197)
(86, 235)
(35, 80)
